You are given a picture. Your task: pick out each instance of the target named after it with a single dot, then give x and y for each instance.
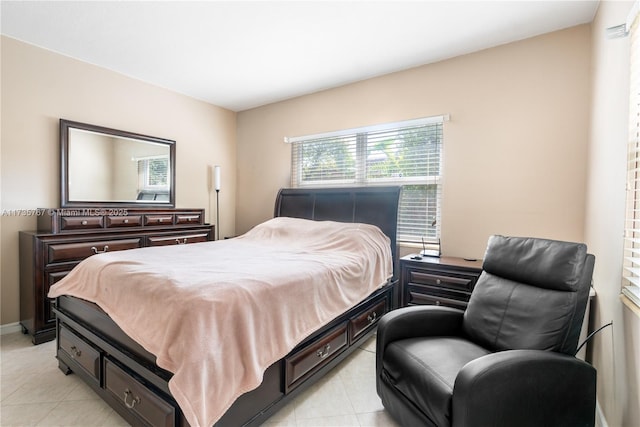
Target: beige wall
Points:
(514, 151)
(617, 349)
(40, 87)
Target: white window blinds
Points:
(406, 153)
(631, 272)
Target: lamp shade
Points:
(216, 174)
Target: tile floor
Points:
(34, 392)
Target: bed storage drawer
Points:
(309, 359)
(141, 401)
(366, 320)
(81, 352)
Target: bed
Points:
(130, 378)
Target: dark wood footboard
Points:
(125, 375)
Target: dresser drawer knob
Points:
(75, 352)
(183, 242)
(96, 251)
(84, 222)
(438, 282)
(126, 221)
(134, 400)
(324, 351)
(438, 302)
(372, 317)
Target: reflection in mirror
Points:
(104, 166)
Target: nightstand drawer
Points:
(417, 298)
(460, 281)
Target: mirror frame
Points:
(66, 125)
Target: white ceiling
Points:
(242, 54)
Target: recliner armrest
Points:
(525, 388)
(416, 321)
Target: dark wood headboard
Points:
(369, 205)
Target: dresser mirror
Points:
(113, 168)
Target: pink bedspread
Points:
(229, 309)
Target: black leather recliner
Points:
(508, 360)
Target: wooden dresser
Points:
(67, 236)
(444, 281)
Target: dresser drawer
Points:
(81, 352)
(160, 219)
(124, 221)
(459, 281)
(178, 239)
(366, 320)
(193, 218)
(140, 400)
(63, 252)
(308, 359)
(81, 222)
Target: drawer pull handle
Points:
(126, 221)
(438, 281)
(84, 222)
(183, 242)
(134, 400)
(96, 251)
(75, 352)
(324, 351)
(372, 317)
(438, 302)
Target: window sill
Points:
(630, 305)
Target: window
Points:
(406, 153)
(153, 178)
(631, 273)
(153, 173)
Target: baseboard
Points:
(10, 328)
(601, 421)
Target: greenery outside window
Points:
(406, 153)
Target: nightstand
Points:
(444, 281)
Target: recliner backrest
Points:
(532, 294)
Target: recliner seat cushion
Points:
(424, 370)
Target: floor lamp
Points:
(217, 187)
